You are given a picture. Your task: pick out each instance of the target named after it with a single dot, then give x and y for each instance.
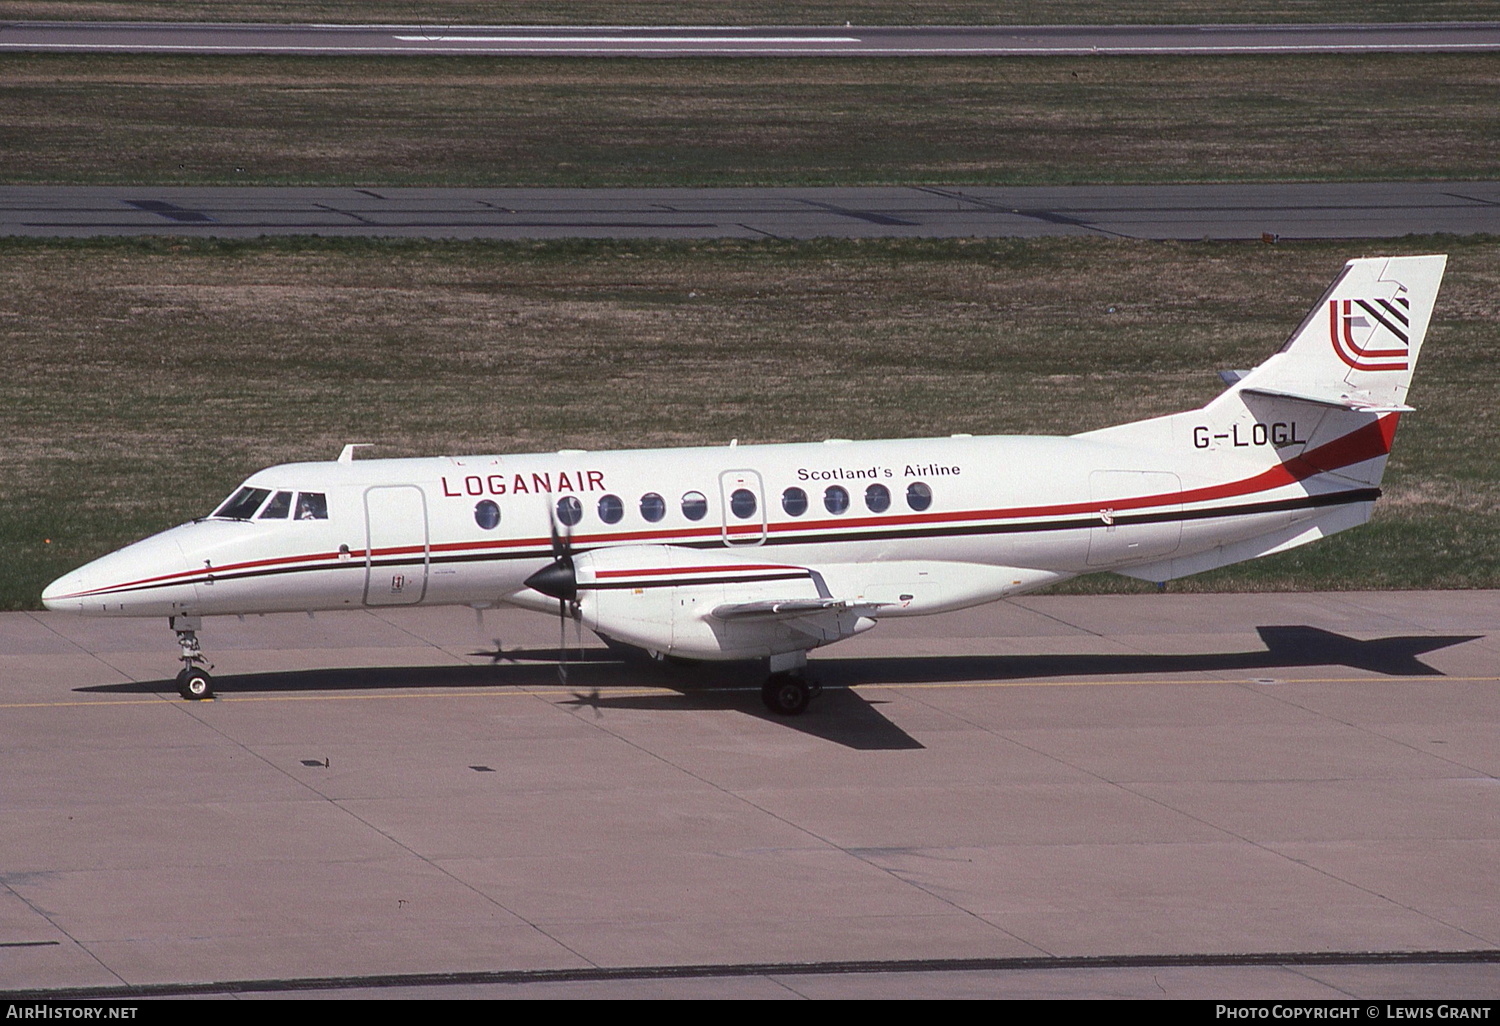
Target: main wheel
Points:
(785, 695)
(195, 684)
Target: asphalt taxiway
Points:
(1290, 795)
(657, 41)
(1188, 212)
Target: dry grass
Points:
(474, 121)
(146, 378)
(750, 12)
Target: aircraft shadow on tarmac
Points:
(601, 680)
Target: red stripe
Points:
(1359, 355)
(275, 561)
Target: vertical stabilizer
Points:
(1359, 345)
(1296, 449)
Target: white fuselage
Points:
(922, 525)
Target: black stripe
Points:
(1093, 522)
(1390, 308)
(1376, 314)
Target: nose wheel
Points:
(193, 680)
(195, 684)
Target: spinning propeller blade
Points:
(559, 579)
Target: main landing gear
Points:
(787, 691)
(193, 680)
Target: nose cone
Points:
(145, 579)
(60, 595)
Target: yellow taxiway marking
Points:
(168, 696)
(527, 691)
(1176, 680)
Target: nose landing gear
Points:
(193, 680)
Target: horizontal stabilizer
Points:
(1343, 401)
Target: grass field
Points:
(144, 120)
(145, 378)
(752, 12)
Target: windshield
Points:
(278, 508)
(242, 504)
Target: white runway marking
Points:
(764, 51)
(627, 39)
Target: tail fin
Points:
(1348, 364)
(1357, 348)
(1295, 449)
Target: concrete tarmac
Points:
(1188, 212)
(1284, 796)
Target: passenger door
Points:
(397, 549)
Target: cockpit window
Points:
(242, 504)
(312, 506)
(278, 508)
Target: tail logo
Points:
(1371, 334)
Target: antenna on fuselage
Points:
(347, 455)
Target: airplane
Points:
(768, 551)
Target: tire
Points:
(786, 695)
(195, 685)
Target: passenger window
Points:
(653, 507)
(742, 503)
(694, 506)
(794, 501)
(611, 509)
(836, 499)
(487, 514)
(243, 503)
(918, 496)
(279, 508)
(877, 498)
(312, 506)
(569, 510)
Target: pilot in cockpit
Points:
(312, 506)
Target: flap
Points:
(789, 608)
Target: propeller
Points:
(559, 580)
